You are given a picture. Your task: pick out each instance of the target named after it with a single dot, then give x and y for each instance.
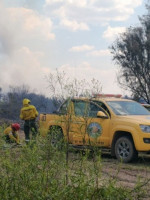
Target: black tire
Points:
(125, 150)
(56, 137)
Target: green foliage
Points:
(41, 172)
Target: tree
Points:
(62, 87)
(131, 51)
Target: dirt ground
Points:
(21, 135)
(130, 175)
(127, 174)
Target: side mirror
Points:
(102, 115)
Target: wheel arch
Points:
(55, 126)
(117, 135)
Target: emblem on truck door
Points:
(94, 130)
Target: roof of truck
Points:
(101, 99)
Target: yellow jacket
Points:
(13, 135)
(28, 111)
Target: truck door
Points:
(86, 128)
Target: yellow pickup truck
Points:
(121, 125)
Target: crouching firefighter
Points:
(11, 133)
(29, 113)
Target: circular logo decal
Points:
(94, 130)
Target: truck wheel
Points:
(56, 137)
(125, 150)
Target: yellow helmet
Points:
(26, 101)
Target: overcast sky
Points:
(39, 36)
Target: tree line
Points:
(11, 102)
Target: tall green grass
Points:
(41, 172)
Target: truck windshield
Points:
(127, 108)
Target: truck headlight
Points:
(145, 128)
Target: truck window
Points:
(80, 108)
(101, 104)
(93, 109)
(83, 108)
(127, 108)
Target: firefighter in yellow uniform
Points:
(11, 134)
(29, 113)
